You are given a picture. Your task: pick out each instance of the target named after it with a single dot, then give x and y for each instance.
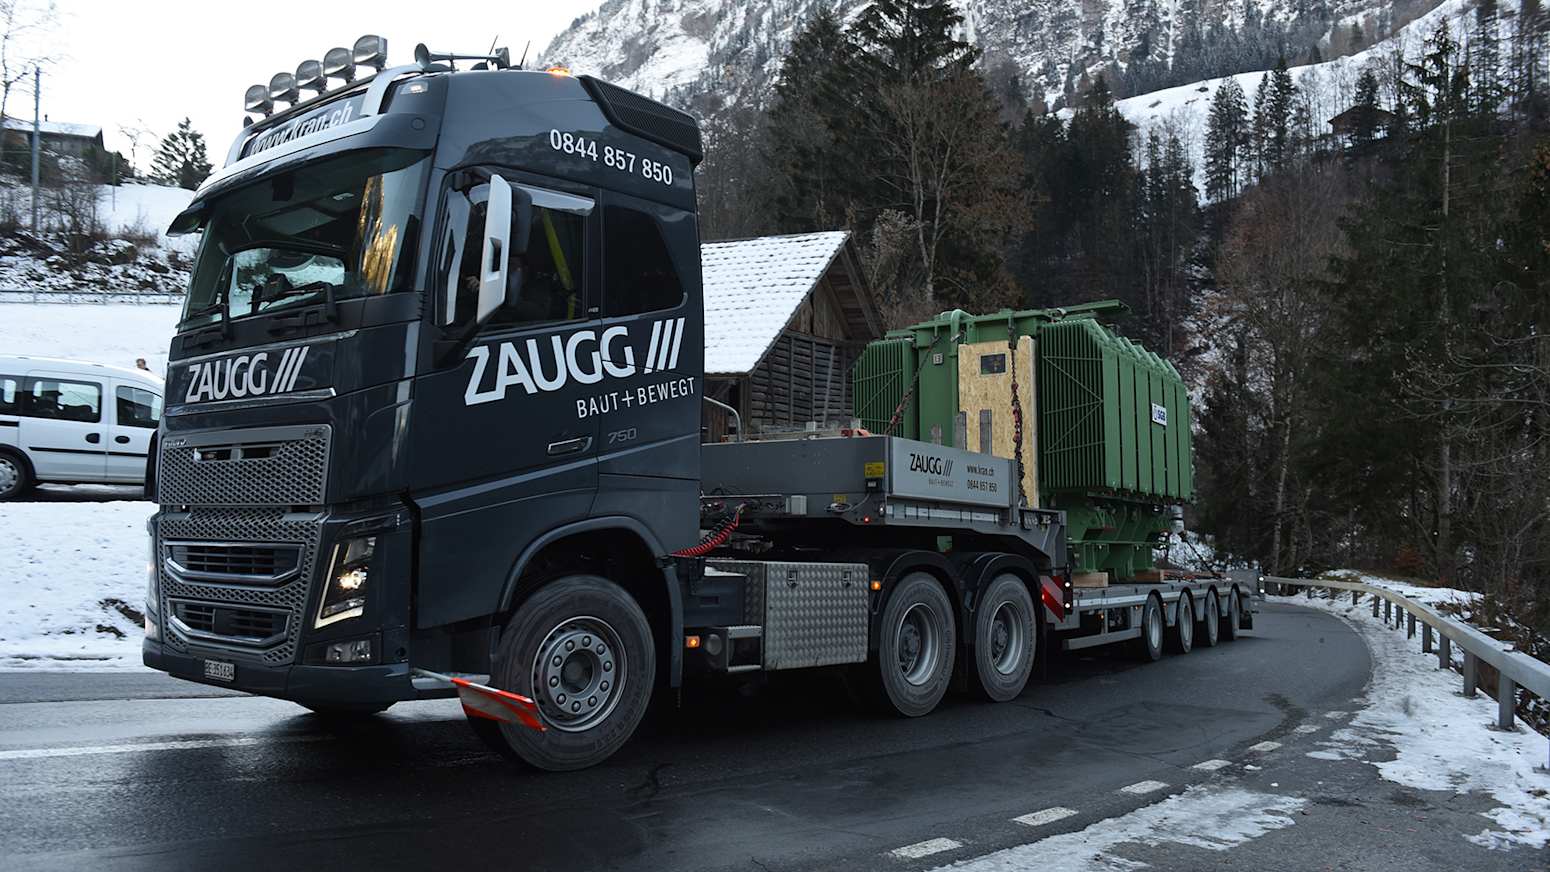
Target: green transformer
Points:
(1101, 425)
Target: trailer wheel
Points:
(1184, 625)
(1006, 638)
(1211, 626)
(582, 649)
(1150, 645)
(916, 645)
(1234, 616)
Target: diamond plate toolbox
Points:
(815, 614)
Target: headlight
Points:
(345, 595)
(152, 588)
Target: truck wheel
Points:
(1006, 639)
(581, 648)
(1184, 626)
(1150, 646)
(916, 645)
(1234, 616)
(15, 476)
(1211, 627)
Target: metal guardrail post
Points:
(1471, 674)
(1506, 701)
(1388, 612)
(1426, 639)
(1409, 625)
(1444, 652)
(1375, 606)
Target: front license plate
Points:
(220, 670)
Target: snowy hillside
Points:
(111, 333)
(146, 207)
(137, 256)
(702, 54)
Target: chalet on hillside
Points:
(785, 319)
(1344, 124)
(61, 137)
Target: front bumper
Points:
(320, 684)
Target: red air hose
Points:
(716, 539)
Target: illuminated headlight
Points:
(257, 100)
(370, 51)
(345, 595)
(338, 64)
(309, 77)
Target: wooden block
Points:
(1090, 579)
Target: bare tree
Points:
(23, 24)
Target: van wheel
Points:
(15, 476)
(1006, 639)
(1150, 646)
(916, 645)
(582, 650)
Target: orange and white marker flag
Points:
(490, 703)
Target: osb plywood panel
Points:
(980, 391)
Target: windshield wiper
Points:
(262, 294)
(222, 330)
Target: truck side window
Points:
(138, 407)
(553, 270)
(10, 399)
(62, 400)
(638, 271)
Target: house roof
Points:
(754, 286)
(58, 128)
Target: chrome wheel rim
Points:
(1186, 622)
(578, 674)
(1007, 638)
(1154, 626)
(1213, 616)
(918, 644)
(10, 474)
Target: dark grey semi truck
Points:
(433, 410)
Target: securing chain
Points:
(1017, 425)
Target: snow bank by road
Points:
(112, 333)
(1441, 740)
(72, 578)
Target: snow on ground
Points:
(111, 333)
(67, 567)
(1441, 740)
(1204, 816)
(146, 207)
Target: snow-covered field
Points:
(112, 333)
(69, 572)
(1442, 741)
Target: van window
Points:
(138, 407)
(10, 390)
(62, 400)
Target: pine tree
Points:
(1259, 131)
(1485, 59)
(911, 40)
(181, 159)
(810, 180)
(1278, 123)
(1226, 136)
(1364, 121)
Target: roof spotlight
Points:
(309, 77)
(257, 100)
(371, 51)
(338, 64)
(283, 88)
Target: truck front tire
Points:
(1006, 639)
(582, 649)
(916, 645)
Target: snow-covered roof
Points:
(59, 128)
(753, 287)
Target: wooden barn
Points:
(785, 319)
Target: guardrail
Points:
(50, 295)
(1514, 669)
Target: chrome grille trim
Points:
(225, 562)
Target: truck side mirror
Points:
(496, 252)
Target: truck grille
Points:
(250, 613)
(235, 562)
(270, 466)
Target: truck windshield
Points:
(343, 227)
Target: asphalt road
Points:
(785, 776)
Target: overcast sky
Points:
(151, 62)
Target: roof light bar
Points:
(257, 100)
(309, 77)
(338, 63)
(371, 51)
(282, 87)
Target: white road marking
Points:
(1264, 747)
(184, 745)
(1140, 788)
(1047, 816)
(925, 849)
(1206, 817)
(1212, 765)
(1308, 728)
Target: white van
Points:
(75, 422)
